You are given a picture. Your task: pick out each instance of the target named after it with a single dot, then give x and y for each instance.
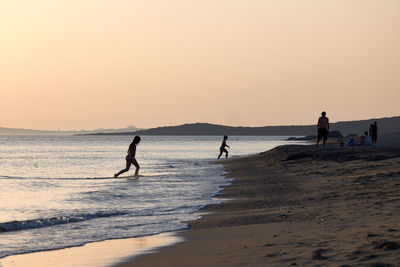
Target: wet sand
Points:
(99, 254)
(298, 205)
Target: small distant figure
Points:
(365, 140)
(351, 142)
(130, 158)
(323, 128)
(373, 132)
(222, 149)
(370, 129)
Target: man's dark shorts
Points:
(322, 133)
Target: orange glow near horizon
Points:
(96, 63)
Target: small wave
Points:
(54, 178)
(10, 177)
(181, 209)
(154, 174)
(38, 223)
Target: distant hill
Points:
(385, 125)
(12, 131)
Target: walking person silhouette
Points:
(323, 129)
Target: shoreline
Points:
(297, 205)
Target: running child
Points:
(130, 158)
(222, 149)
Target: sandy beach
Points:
(298, 205)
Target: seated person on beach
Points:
(351, 142)
(323, 128)
(222, 149)
(130, 158)
(365, 140)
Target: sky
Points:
(87, 64)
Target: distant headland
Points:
(385, 125)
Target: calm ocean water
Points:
(58, 191)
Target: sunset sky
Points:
(85, 64)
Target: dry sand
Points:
(298, 205)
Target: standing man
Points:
(323, 128)
(374, 132)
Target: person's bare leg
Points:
(134, 162)
(128, 165)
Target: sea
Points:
(59, 191)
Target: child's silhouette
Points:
(222, 149)
(130, 158)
